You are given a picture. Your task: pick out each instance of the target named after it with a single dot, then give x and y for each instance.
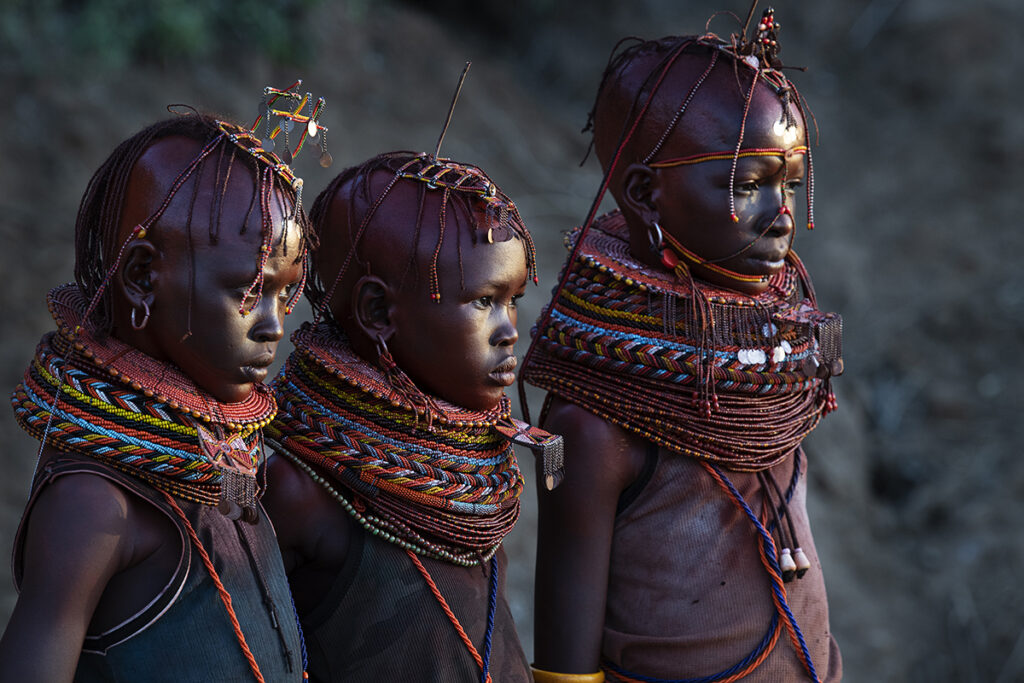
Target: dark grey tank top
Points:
(380, 622)
(184, 634)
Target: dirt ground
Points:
(916, 483)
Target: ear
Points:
(137, 277)
(640, 184)
(372, 304)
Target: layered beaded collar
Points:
(735, 379)
(445, 485)
(99, 397)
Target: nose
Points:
(783, 222)
(506, 333)
(269, 324)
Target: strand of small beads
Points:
(386, 529)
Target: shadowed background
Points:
(916, 485)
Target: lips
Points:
(504, 374)
(256, 370)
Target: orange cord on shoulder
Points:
(448, 611)
(225, 597)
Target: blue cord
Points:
(491, 609)
(768, 543)
(713, 677)
(302, 638)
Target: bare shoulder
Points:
(287, 485)
(82, 530)
(304, 514)
(76, 507)
(596, 445)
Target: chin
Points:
(230, 393)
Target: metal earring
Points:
(655, 237)
(145, 316)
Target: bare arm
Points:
(574, 539)
(313, 530)
(78, 537)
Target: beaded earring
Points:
(403, 385)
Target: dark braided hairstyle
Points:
(621, 95)
(97, 229)
(461, 189)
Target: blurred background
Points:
(917, 483)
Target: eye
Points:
(483, 302)
(745, 186)
(515, 300)
(792, 186)
(243, 294)
(286, 293)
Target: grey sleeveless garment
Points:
(380, 622)
(185, 633)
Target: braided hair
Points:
(98, 226)
(636, 67)
(351, 210)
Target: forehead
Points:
(714, 117)
(484, 268)
(219, 203)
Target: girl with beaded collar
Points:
(685, 360)
(144, 552)
(394, 483)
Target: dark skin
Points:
(602, 460)
(95, 554)
(458, 349)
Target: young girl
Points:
(685, 360)
(144, 552)
(393, 484)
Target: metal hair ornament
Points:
(283, 110)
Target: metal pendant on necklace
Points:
(237, 465)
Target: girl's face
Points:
(691, 201)
(462, 348)
(195, 285)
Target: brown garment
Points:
(688, 595)
(380, 622)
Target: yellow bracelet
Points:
(541, 676)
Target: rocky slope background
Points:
(916, 486)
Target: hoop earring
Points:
(655, 237)
(145, 316)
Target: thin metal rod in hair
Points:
(451, 109)
(591, 215)
(750, 16)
